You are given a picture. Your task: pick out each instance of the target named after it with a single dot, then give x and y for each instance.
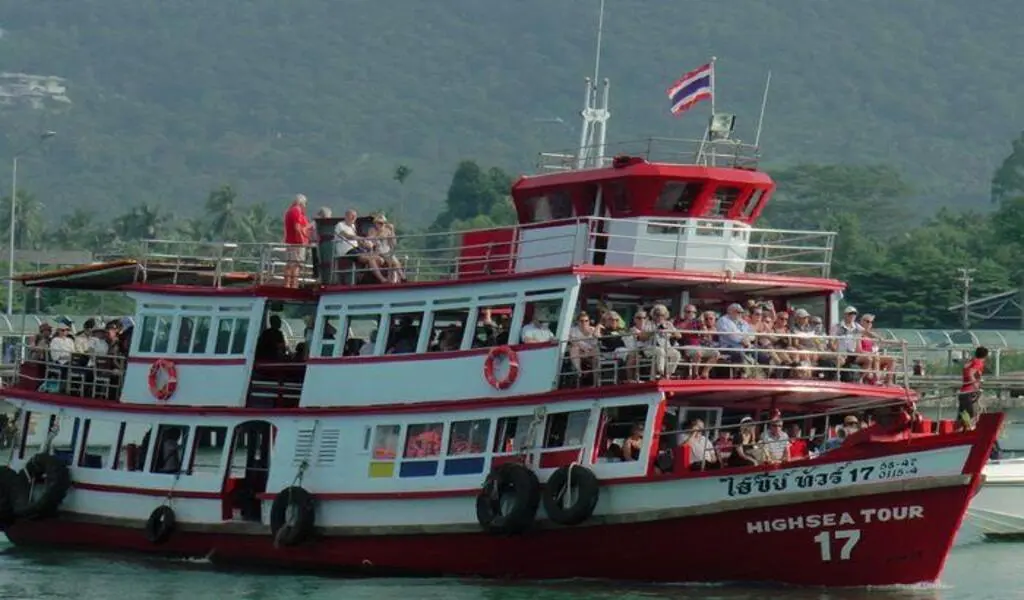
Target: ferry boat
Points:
(464, 422)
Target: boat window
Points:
(68, 432)
(723, 201)
(385, 442)
(156, 333)
(492, 326)
(169, 451)
(447, 328)
(678, 196)
(208, 451)
(424, 440)
(566, 429)
(618, 197)
(403, 332)
(231, 335)
(361, 335)
(134, 450)
(468, 437)
(552, 206)
(614, 441)
(751, 204)
(328, 336)
(192, 335)
(511, 434)
(540, 321)
(99, 439)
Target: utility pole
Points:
(965, 281)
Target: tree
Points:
(472, 192)
(220, 207)
(1008, 180)
(29, 225)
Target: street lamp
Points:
(14, 201)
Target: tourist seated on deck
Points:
(775, 442)
(271, 345)
(583, 345)
(702, 450)
(697, 349)
(744, 445)
(382, 238)
(62, 347)
(405, 335)
(723, 445)
(797, 443)
(537, 331)
(736, 337)
(659, 333)
(846, 341)
(41, 343)
(632, 445)
(350, 246)
(881, 367)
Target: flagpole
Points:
(764, 103)
(713, 59)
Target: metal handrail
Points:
(730, 153)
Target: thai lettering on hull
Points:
(818, 477)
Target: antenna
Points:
(764, 103)
(965, 280)
(595, 114)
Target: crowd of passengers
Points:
(58, 355)
(373, 252)
(747, 341)
(747, 445)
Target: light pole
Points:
(14, 202)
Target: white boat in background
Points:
(998, 509)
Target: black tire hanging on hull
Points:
(292, 516)
(161, 525)
(509, 480)
(583, 488)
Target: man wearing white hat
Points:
(537, 331)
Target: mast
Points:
(595, 110)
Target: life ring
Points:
(513, 367)
(508, 480)
(163, 392)
(582, 488)
(46, 472)
(292, 516)
(161, 525)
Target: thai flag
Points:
(691, 88)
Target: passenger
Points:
(271, 344)
(382, 236)
(697, 349)
(633, 345)
(776, 443)
(797, 444)
(632, 446)
(723, 445)
(702, 451)
(536, 331)
(583, 345)
(350, 246)
(851, 424)
(41, 343)
(870, 344)
(970, 392)
(744, 442)
(62, 347)
(658, 331)
(296, 236)
(169, 456)
(735, 335)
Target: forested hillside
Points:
(169, 100)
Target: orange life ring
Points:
(513, 367)
(163, 392)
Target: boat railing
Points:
(704, 152)
(214, 263)
(692, 245)
(617, 359)
(70, 373)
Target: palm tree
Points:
(260, 225)
(139, 223)
(28, 219)
(220, 206)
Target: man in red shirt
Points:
(970, 391)
(296, 235)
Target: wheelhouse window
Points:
(361, 335)
(99, 440)
(566, 429)
(617, 196)
(328, 336)
(751, 204)
(678, 196)
(209, 451)
(169, 451)
(493, 324)
(540, 321)
(552, 206)
(155, 334)
(723, 201)
(192, 335)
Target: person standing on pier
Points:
(970, 392)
